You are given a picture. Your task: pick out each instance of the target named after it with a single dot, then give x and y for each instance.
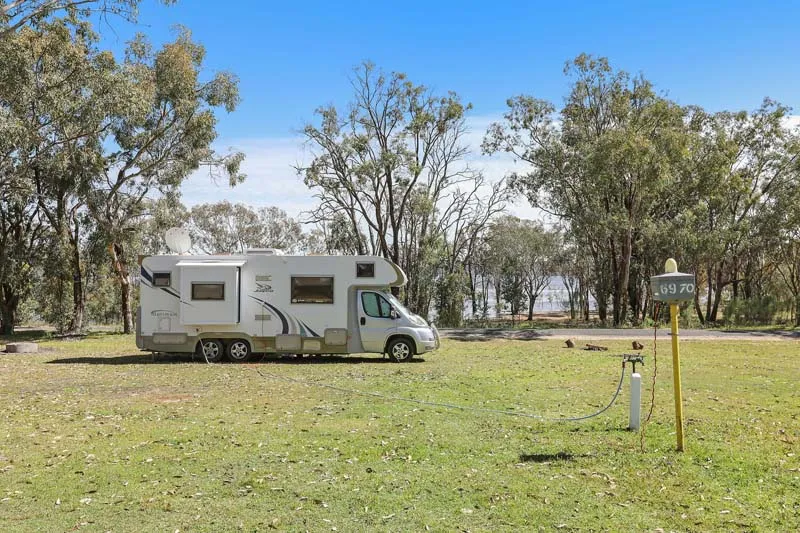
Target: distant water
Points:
(553, 299)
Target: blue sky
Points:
(292, 57)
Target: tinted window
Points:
(365, 270)
(162, 279)
(208, 291)
(312, 290)
(375, 305)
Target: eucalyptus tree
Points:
(23, 234)
(749, 159)
(575, 269)
(56, 95)
(16, 14)
(225, 228)
(601, 164)
(526, 254)
(162, 134)
(393, 167)
(781, 233)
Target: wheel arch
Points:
(405, 336)
(225, 338)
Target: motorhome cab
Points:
(264, 302)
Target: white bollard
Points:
(636, 400)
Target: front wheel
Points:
(238, 350)
(400, 350)
(212, 350)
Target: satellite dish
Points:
(178, 240)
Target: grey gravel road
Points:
(632, 334)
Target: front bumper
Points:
(427, 344)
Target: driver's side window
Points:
(375, 305)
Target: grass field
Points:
(97, 437)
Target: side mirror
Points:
(393, 314)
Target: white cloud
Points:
(792, 121)
(272, 180)
(271, 177)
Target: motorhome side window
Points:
(312, 290)
(162, 279)
(365, 270)
(208, 291)
(375, 305)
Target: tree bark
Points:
(698, 309)
(498, 310)
(120, 265)
(623, 276)
(8, 312)
(717, 297)
(531, 303)
(797, 311)
(472, 291)
(709, 292)
(78, 296)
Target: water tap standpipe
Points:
(634, 418)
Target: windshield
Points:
(418, 320)
(396, 303)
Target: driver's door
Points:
(375, 320)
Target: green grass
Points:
(97, 437)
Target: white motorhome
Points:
(264, 302)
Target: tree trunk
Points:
(623, 277)
(797, 311)
(602, 305)
(697, 308)
(78, 298)
(531, 303)
(709, 293)
(571, 296)
(472, 292)
(120, 265)
(497, 307)
(717, 298)
(8, 313)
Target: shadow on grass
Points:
(470, 335)
(548, 457)
(133, 359)
(168, 359)
(40, 335)
(30, 335)
(331, 359)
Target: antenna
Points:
(178, 240)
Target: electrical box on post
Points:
(673, 287)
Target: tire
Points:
(400, 349)
(238, 350)
(211, 350)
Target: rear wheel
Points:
(211, 350)
(238, 350)
(400, 350)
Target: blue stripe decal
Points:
(284, 322)
(146, 275)
(313, 333)
(288, 321)
(172, 292)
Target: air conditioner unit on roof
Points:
(263, 251)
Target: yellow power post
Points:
(673, 287)
(676, 375)
(671, 267)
